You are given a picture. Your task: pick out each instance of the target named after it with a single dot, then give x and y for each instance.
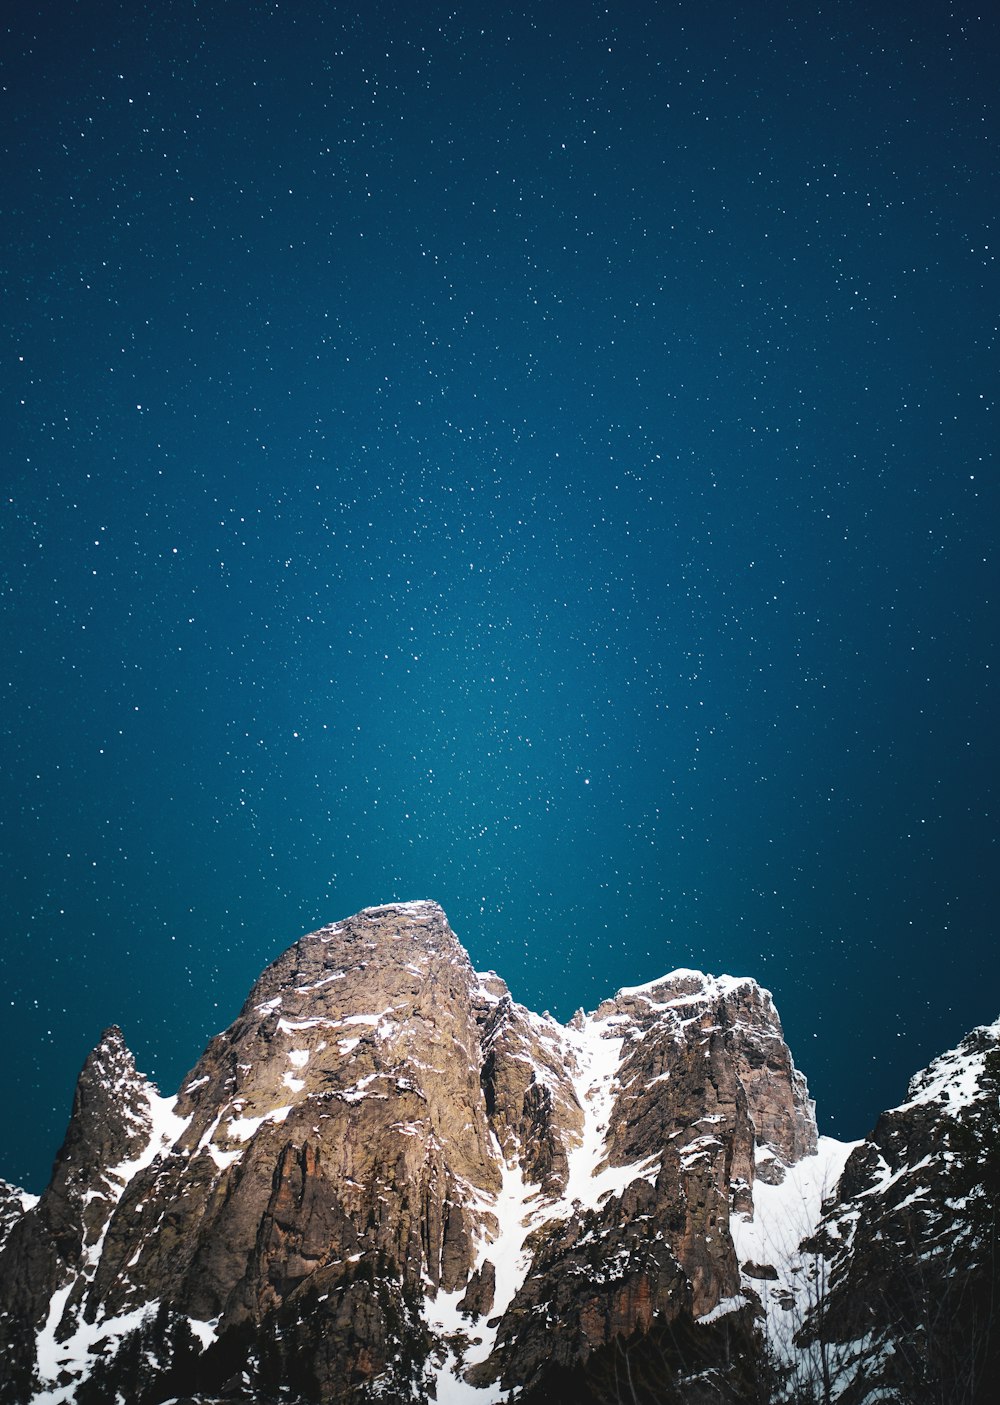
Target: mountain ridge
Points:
(388, 1179)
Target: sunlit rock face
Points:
(388, 1180)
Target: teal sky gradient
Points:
(540, 458)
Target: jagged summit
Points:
(953, 1080)
(388, 1179)
(689, 982)
(416, 908)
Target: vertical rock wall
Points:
(387, 1171)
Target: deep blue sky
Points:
(539, 457)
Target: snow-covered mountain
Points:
(388, 1181)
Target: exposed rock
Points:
(910, 1242)
(58, 1243)
(341, 1113)
(687, 1008)
(481, 1292)
(109, 1127)
(14, 1203)
(761, 1271)
(386, 1173)
(530, 1097)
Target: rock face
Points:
(909, 1247)
(670, 1083)
(387, 1180)
(13, 1204)
(875, 1263)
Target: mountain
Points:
(386, 1180)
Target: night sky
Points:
(538, 457)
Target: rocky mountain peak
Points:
(389, 1179)
(666, 1012)
(375, 1007)
(109, 1128)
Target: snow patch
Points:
(784, 1215)
(318, 985)
(73, 1357)
(360, 1089)
(206, 1332)
(518, 1212)
(423, 907)
(243, 1128)
(598, 1046)
(294, 1026)
(165, 1129)
(711, 986)
(952, 1079)
(724, 1307)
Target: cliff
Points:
(388, 1180)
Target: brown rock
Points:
(478, 1299)
(334, 1163)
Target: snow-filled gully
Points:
(594, 1050)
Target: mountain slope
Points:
(909, 1247)
(388, 1180)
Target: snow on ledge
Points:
(241, 1129)
(712, 985)
(953, 1077)
(423, 906)
(724, 1307)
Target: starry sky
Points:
(536, 456)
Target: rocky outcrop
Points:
(53, 1250)
(14, 1204)
(109, 1129)
(531, 1099)
(339, 1121)
(872, 1266)
(672, 1080)
(909, 1244)
(386, 1177)
(734, 1017)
